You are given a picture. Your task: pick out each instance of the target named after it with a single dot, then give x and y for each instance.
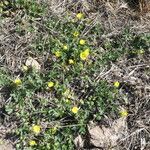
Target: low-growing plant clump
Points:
(58, 88)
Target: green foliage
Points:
(33, 103)
(4, 77)
(75, 84)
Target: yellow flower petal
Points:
(17, 82)
(116, 84)
(79, 16)
(71, 61)
(58, 54)
(141, 51)
(76, 34)
(123, 113)
(32, 143)
(82, 42)
(36, 129)
(84, 54)
(75, 109)
(50, 84)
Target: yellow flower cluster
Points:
(84, 54)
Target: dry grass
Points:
(134, 94)
(132, 72)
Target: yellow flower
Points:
(123, 113)
(79, 16)
(141, 51)
(75, 109)
(82, 42)
(71, 61)
(65, 47)
(116, 84)
(76, 34)
(17, 82)
(24, 68)
(84, 54)
(50, 84)
(36, 129)
(57, 53)
(32, 143)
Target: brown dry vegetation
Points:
(132, 71)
